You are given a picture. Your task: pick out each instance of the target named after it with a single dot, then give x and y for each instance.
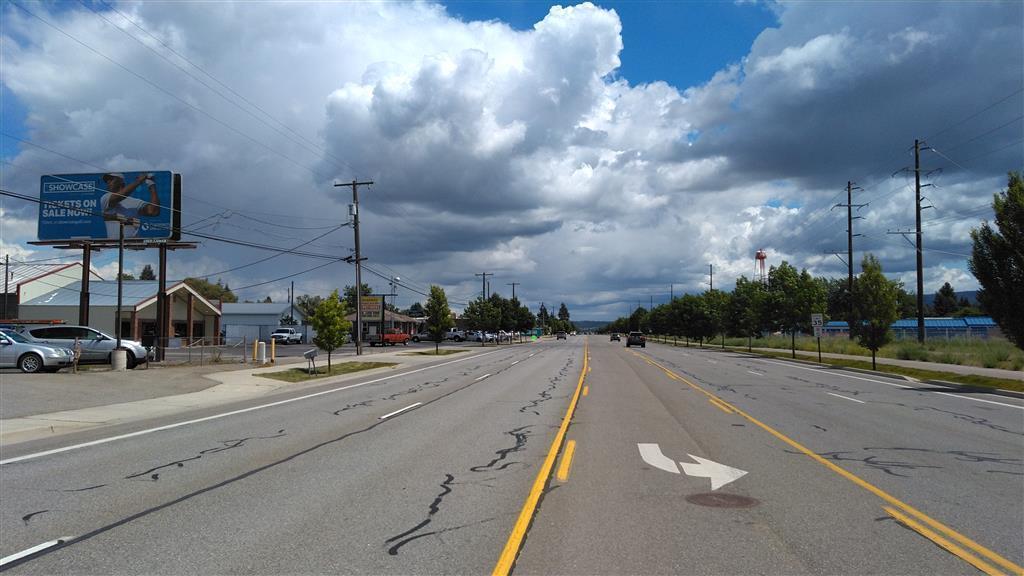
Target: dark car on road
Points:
(560, 336)
(615, 337)
(636, 339)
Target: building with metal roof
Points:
(25, 281)
(968, 327)
(192, 316)
(257, 320)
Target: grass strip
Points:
(442, 352)
(965, 379)
(302, 375)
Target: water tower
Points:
(759, 272)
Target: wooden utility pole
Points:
(483, 286)
(920, 258)
(513, 285)
(354, 213)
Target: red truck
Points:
(389, 337)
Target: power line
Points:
(976, 114)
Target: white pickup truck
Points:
(287, 336)
(455, 335)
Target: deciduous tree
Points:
(997, 261)
(439, 316)
(332, 328)
(875, 307)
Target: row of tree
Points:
(785, 303)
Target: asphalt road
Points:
(320, 485)
(427, 472)
(957, 459)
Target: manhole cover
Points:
(721, 500)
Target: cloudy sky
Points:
(597, 154)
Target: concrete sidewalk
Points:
(164, 395)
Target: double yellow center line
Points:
(515, 539)
(963, 547)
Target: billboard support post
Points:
(161, 306)
(120, 279)
(83, 296)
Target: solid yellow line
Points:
(586, 390)
(720, 406)
(515, 539)
(972, 545)
(944, 543)
(563, 468)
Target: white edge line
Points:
(514, 363)
(481, 378)
(400, 410)
(232, 413)
(754, 373)
(845, 398)
(30, 551)
(1018, 407)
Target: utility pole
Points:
(711, 281)
(291, 301)
(671, 292)
(354, 212)
(920, 258)
(849, 240)
(483, 284)
(513, 285)
(120, 274)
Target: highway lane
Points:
(423, 473)
(949, 458)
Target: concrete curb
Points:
(969, 388)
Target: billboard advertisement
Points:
(89, 206)
(372, 308)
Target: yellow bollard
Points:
(273, 349)
(254, 343)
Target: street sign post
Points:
(818, 322)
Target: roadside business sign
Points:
(88, 206)
(372, 308)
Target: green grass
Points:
(991, 353)
(440, 352)
(302, 375)
(966, 379)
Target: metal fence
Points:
(202, 351)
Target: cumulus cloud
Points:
(526, 153)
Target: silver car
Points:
(18, 351)
(96, 346)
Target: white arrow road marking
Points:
(651, 453)
(720, 474)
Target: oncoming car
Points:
(615, 337)
(560, 336)
(19, 352)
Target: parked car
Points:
(423, 336)
(636, 339)
(96, 346)
(456, 335)
(615, 337)
(560, 336)
(287, 336)
(20, 352)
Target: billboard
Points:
(89, 206)
(372, 308)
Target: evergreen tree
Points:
(147, 273)
(997, 261)
(563, 313)
(211, 291)
(945, 302)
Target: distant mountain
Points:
(590, 324)
(971, 295)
